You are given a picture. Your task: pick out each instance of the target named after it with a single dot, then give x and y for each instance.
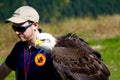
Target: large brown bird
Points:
(73, 58)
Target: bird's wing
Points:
(78, 61)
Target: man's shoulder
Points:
(20, 44)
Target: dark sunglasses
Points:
(21, 28)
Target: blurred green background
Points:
(96, 21)
(52, 10)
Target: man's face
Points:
(23, 30)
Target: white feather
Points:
(49, 41)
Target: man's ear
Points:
(35, 24)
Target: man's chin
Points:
(22, 40)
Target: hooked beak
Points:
(38, 42)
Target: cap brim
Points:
(15, 20)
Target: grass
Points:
(102, 34)
(110, 50)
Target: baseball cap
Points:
(24, 13)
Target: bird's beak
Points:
(38, 42)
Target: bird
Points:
(73, 58)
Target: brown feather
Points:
(76, 60)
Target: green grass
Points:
(102, 33)
(110, 50)
(11, 76)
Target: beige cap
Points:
(23, 14)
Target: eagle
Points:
(73, 58)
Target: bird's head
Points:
(45, 41)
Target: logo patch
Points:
(40, 59)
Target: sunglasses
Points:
(21, 28)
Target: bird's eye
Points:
(48, 40)
(42, 39)
(45, 40)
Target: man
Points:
(28, 61)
